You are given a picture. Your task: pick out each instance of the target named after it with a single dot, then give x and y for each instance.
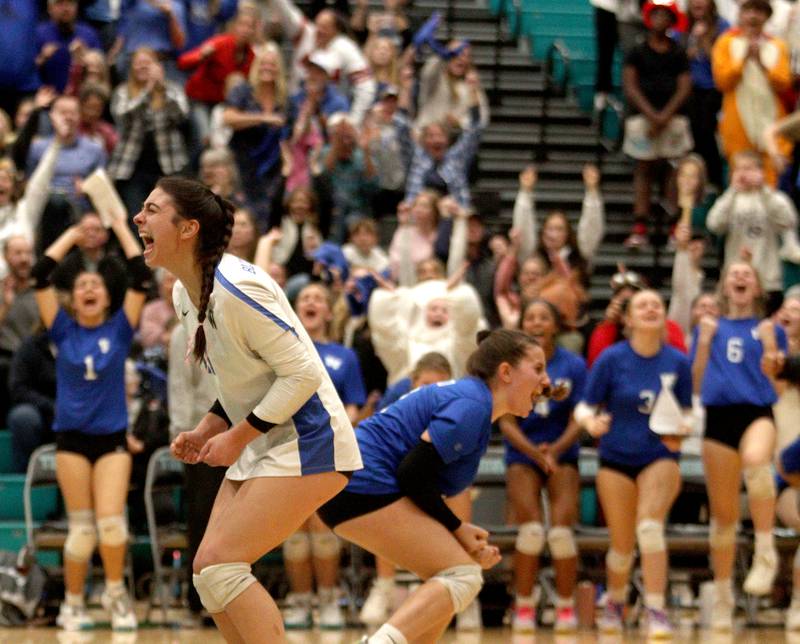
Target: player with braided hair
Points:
(278, 422)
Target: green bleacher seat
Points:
(44, 499)
(5, 451)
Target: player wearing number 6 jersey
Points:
(734, 359)
(638, 401)
(93, 465)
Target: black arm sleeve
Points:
(218, 410)
(140, 275)
(42, 270)
(416, 475)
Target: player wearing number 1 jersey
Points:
(93, 465)
(734, 359)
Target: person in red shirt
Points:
(213, 62)
(610, 330)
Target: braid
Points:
(210, 256)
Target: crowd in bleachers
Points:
(325, 126)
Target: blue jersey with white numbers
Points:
(549, 418)
(733, 375)
(342, 366)
(627, 385)
(90, 374)
(457, 415)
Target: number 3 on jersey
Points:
(735, 350)
(90, 374)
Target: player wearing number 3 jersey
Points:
(734, 359)
(93, 465)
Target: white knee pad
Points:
(561, 542)
(759, 482)
(297, 547)
(650, 536)
(220, 584)
(113, 531)
(721, 536)
(530, 538)
(325, 545)
(462, 582)
(619, 562)
(81, 537)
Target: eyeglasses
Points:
(630, 279)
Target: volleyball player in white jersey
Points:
(277, 422)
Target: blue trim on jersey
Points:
(315, 437)
(235, 291)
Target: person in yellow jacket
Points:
(752, 70)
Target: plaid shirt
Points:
(134, 118)
(453, 169)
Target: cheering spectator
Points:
(326, 34)
(91, 253)
(704, 103)
(383, 58)
(687, 278)
(255, 111)
(388, 152)
(415, 236)
(93, 100)
(752, 71)
(219, 172)
(363, 251)
(212, 63)
(390, 21)
(59, 39)
(657, 83)
(78, 156)
(434, 162)
(158, 316)
(150, 113)
(448, 91)
(88, 66)
(753, 216)
(19, 317)
(349, 171)
(244, 235)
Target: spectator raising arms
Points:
(326, 34)
(752, 71)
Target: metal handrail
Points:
(552, 87)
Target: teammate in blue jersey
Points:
(424, 447)
(733, 361)
(313, 551)
(542, 452)
(278, 422)
(93, 464)
(638, 401)
(431, 368)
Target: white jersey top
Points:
(264, 363)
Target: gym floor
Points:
(488, 636)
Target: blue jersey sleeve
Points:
(354, 390)
(599, 381)
(457, 428)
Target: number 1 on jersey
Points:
(90, 374)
